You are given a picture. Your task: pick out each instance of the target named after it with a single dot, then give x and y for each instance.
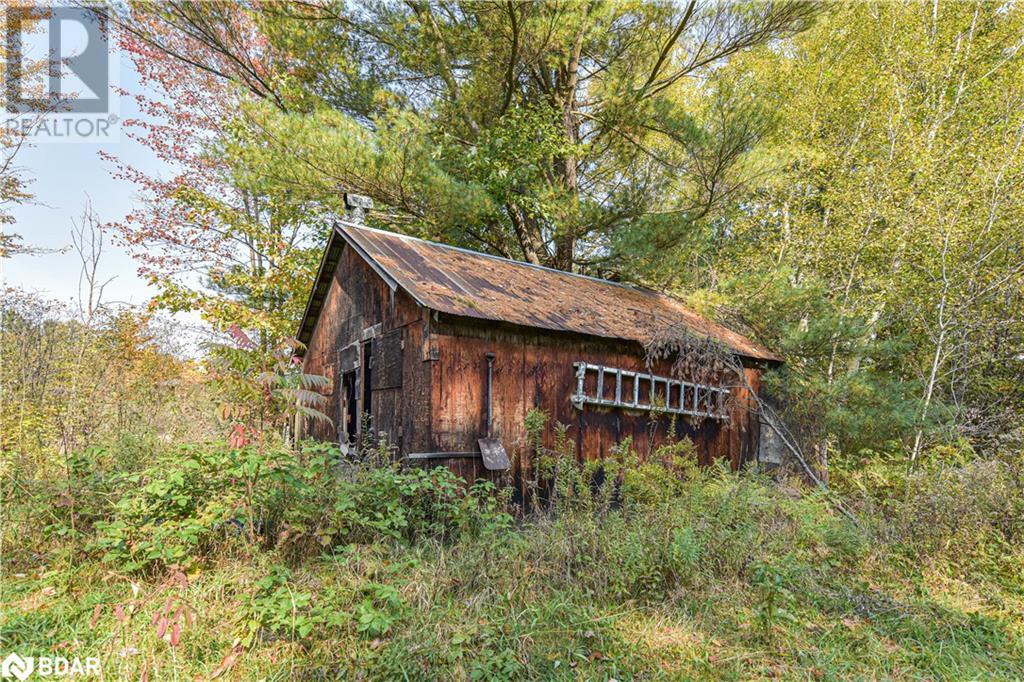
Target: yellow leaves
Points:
(232, 412)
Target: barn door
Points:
(386, 384)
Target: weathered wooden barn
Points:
(409, 331)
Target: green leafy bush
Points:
(379, 610)
(191, 501)
(388, 504)
(957, 507)
(959, 513)
(772, 597)
(278, 607)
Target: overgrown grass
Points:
(663, 572)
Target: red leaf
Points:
(240, 337)
(237, 438)
(175, 634)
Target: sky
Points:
(63, 176)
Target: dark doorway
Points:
(367, 365)
(349, 413)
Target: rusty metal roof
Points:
(470, 284)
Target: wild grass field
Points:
(207, 562)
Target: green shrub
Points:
(957, 510)
(367, 505)
(279, 607)
(178, 509)
(379, 610)
(772, 597)
(192, 501)
(647, 530)
(956, 507)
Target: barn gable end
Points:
(363, 321)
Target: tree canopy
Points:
(550, 132)
(843, 182)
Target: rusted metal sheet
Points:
(476, 285)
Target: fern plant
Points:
(264, 389)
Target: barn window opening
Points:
(613, 387)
